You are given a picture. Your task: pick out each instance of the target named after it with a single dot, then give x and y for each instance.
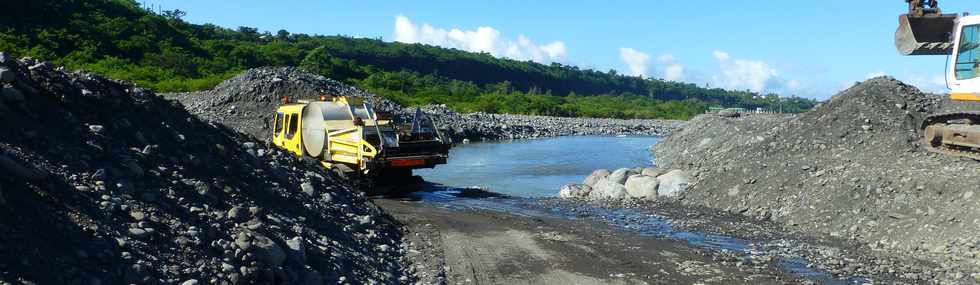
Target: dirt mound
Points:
(246, 102)
(104, 182)
(851, 168)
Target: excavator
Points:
(926, 30)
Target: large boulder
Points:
(619, 176)
(652, 171)
(729, 113)
(673, 183)
(595, 176)
(574, 191)
(7, 75)
(267, 251)
(10, 94)
(296, 250)
(642, 187)
(606, 189)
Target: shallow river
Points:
(537, 168)
(524, 170)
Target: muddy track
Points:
(458, 246)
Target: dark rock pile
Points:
(246, 103)
(102, 182)
(851, 168)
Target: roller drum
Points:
(314, 132)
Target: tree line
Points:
(161, 51)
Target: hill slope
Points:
(119, 39)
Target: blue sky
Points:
(806, 48)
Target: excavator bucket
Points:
(925, 35)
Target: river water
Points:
(537, 168)
(512, 175)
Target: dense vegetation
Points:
(121, 40)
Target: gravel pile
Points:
(851, 168)
(106, 183)
(246, 103)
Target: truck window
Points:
(968, 53)
(278, 123)
(293, 125)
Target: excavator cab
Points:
(963, 68)
(966, 60)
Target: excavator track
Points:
(955, 134)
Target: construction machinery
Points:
(346, 135)
(925, 30)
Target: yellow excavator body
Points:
(964, 96)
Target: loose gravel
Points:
(106, 183)
(850, 169)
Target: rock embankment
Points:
(641, 183)
(483, 126)
(246, 103)
(106, 183)
(851, 168)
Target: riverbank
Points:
(729, 239)
(246, 102)
(490, 246)
(850, 170)
(492, 127)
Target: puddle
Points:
(626, 219)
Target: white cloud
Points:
(635, 60)
(483, 39)
(793, 84)
(669, 69)
(935, 83)
(754, 75)
(638, 64)
(720, 55)
(674, 72)
(875, 74)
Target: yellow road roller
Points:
(346, 135)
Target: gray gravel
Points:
(107, 183)
(483, 126)
(850, 169)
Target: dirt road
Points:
(471, 246)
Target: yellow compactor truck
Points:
(348, 137)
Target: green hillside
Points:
(121, 40)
